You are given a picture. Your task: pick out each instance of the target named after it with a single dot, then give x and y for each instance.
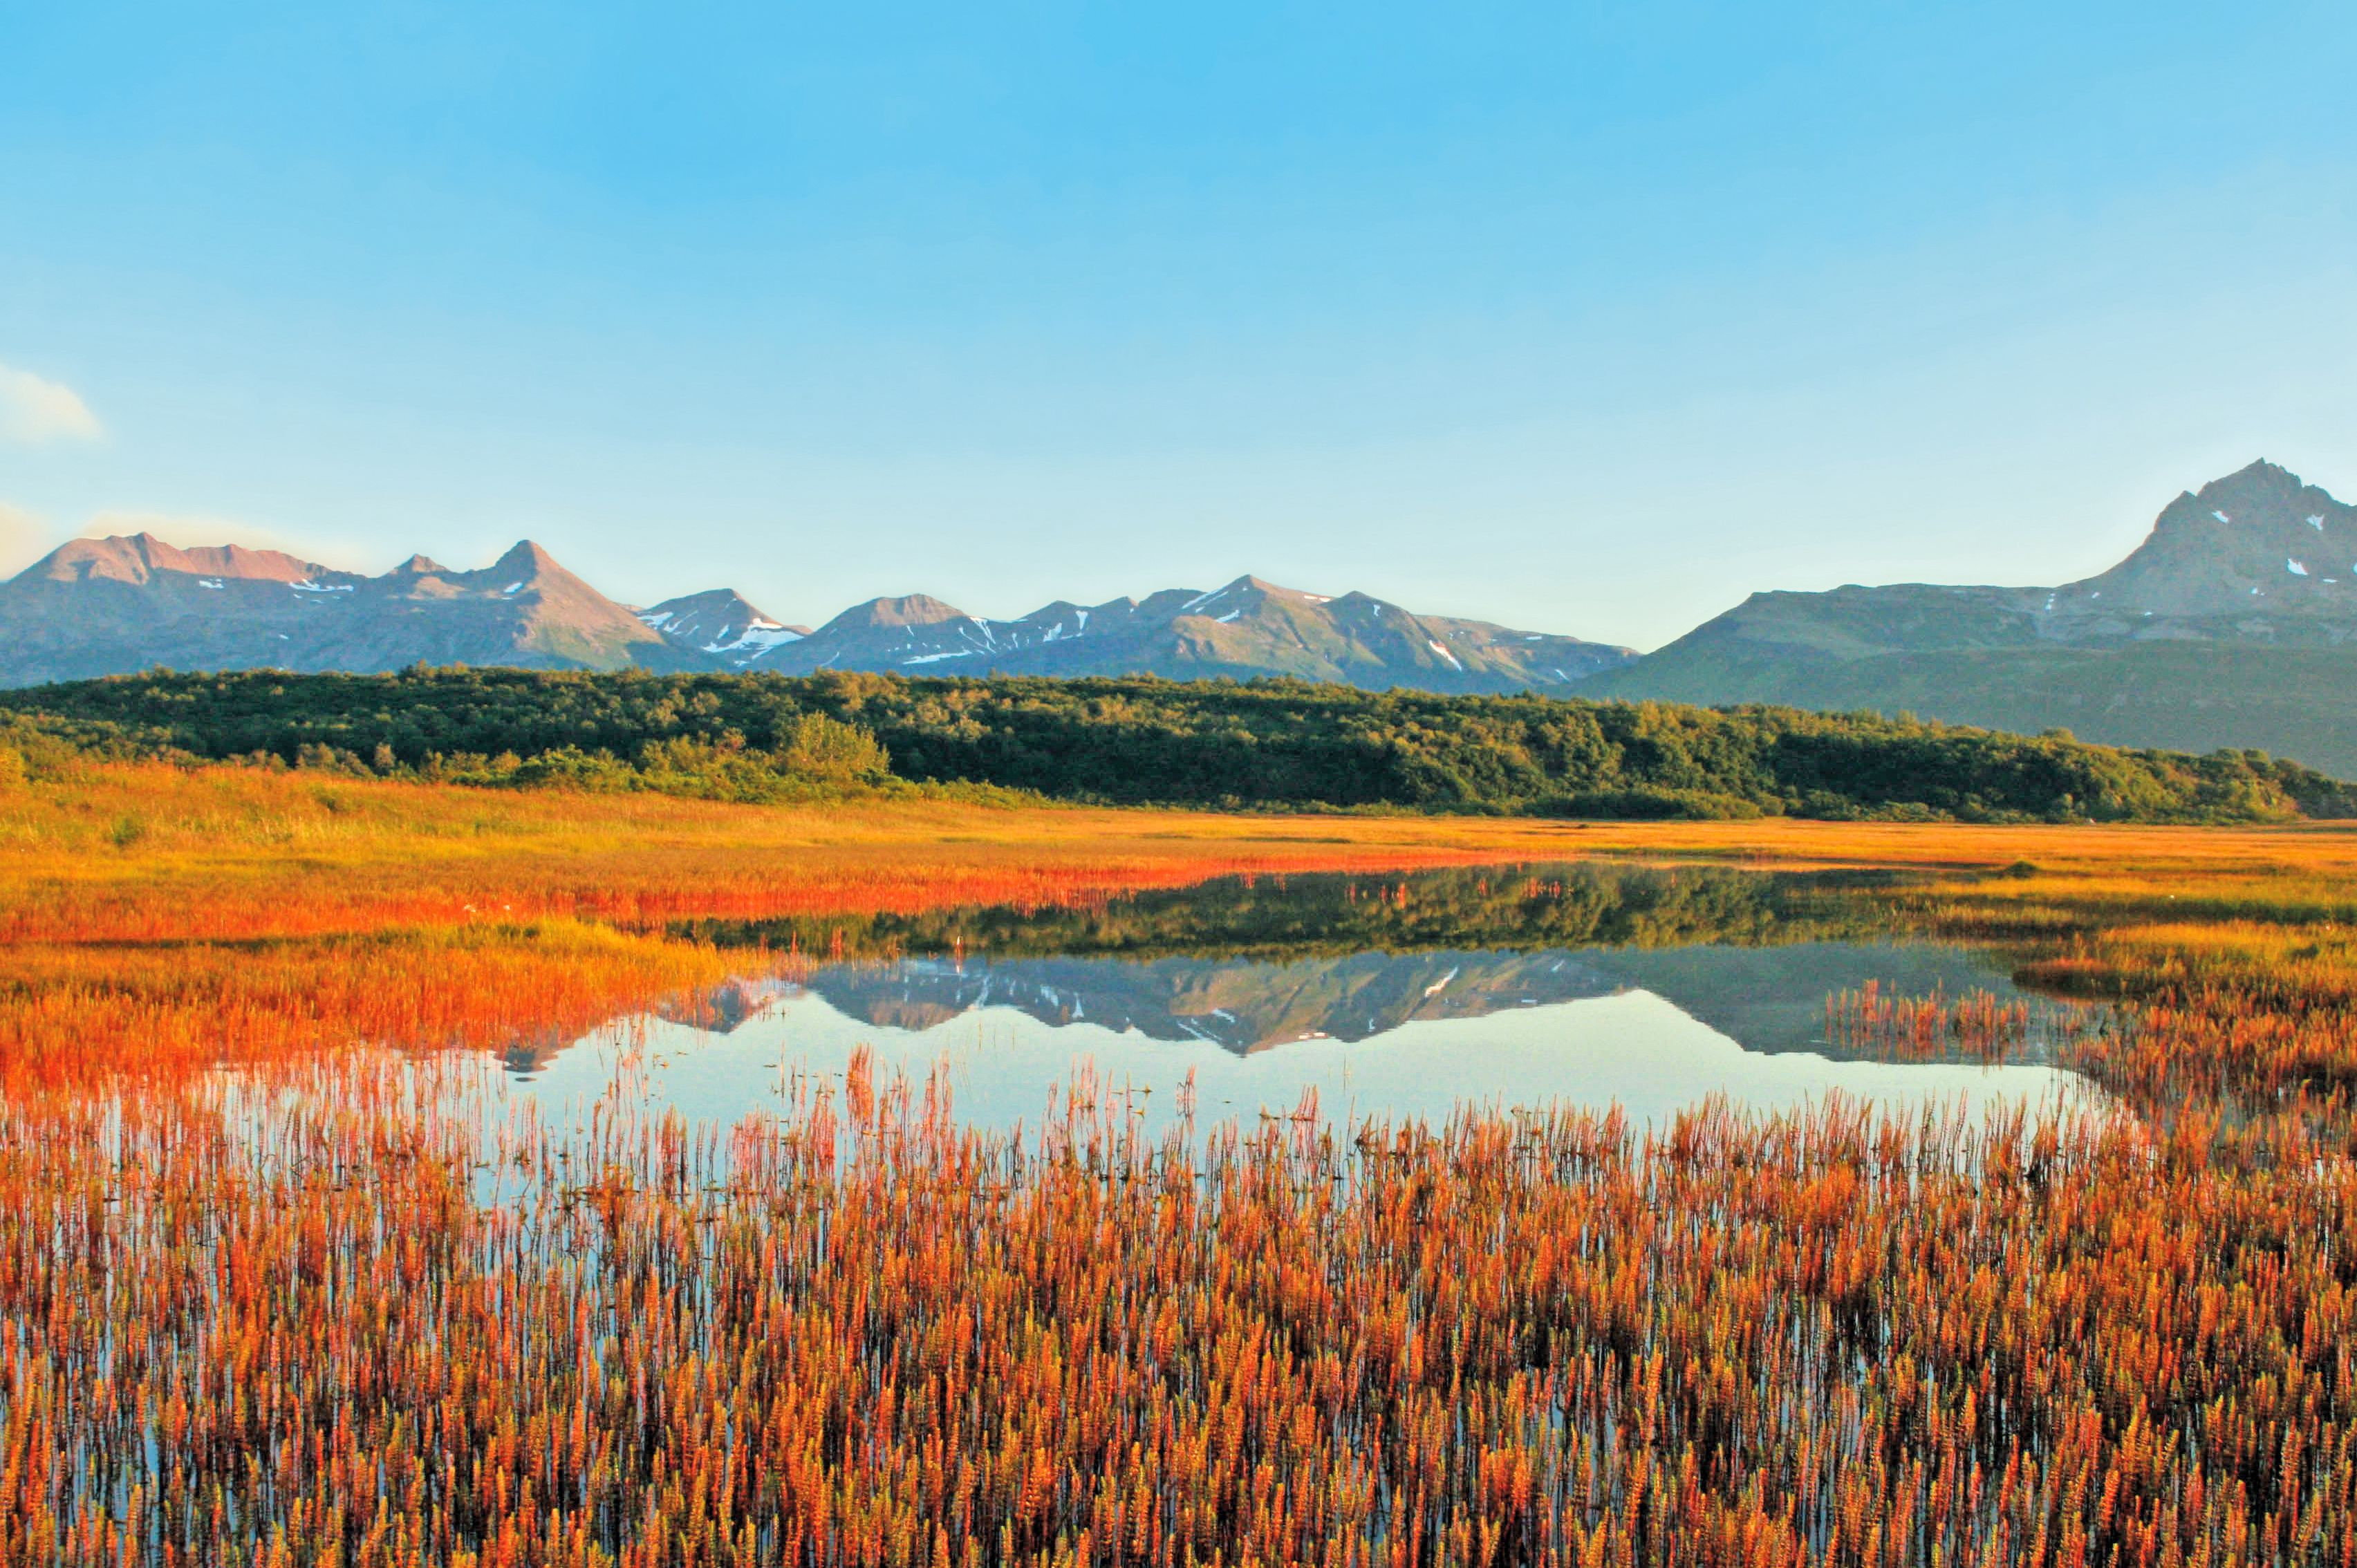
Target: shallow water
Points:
(1407, 997)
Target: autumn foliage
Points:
(282, 1280)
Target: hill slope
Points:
(1249, 627)
(116, 605)
(113, 605)
(2231, 625)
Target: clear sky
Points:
(1585, 318)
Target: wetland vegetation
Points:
(270, 1293)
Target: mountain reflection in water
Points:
(1767, 999)
(1252, 964)
(1395, 996)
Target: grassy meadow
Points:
(270, 1315)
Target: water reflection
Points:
(1395, 996)
(1766, 999)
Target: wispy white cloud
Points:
(32, 410)
(22, 534)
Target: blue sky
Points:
(1586, 318)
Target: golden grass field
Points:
(155, 851)
(254, 1306)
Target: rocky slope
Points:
(2233, 624)
(722, 623)
(115, 606)
(2230, 625)
(104, 606)
(1248, 628)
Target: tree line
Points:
(1270, 744)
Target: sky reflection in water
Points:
(1397, 998)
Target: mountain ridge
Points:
(124, 604)
(2232, 623)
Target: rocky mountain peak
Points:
(720, 621)
(527, 609)
(2259, 539)
(527, 560)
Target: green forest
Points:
(1259, 744)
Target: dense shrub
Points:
(1261, 744)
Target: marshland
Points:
(396, 1172)
(1178, 787)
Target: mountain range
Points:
(2229, 626)
(102, 606)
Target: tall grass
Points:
(273, 1289)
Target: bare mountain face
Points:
(2233, 624)
(115, 606)
(2230, 625)
(1248, 628)
(2257, 556)
(105, 607)
(722, 623)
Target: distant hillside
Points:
(1247, 629)
(720, 623)
(1279, 743)
(2231, 625)
(101, 607)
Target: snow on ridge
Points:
(2222, 517)
(1229, 616)
(937, 657)
(755, 639)
(2295, 568)
(1444, 653)
(656, 619)
(308, 587)
(512, 588)
(2317, 523)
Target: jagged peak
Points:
(526, 558)
(2256, 484)
(2258, 469)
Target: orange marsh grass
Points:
(151, 851)
(282, 1327)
